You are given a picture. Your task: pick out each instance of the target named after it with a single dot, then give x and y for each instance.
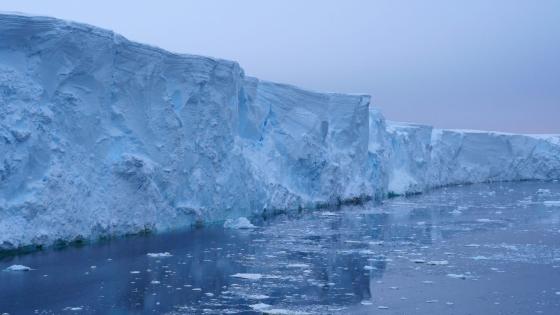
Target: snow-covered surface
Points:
(101, 136)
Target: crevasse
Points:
(101, 136)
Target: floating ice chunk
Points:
(155, 282)
(369, 268)
(328, 213)
(437, 262)
(381, 307)
(552, 203)
(366, 302)
(352, 242)
(259, 306)
(457, 276)
(239, 223)
(484, 220)
(134, 272)
(248, 276)
(510, 247)
(297, 266)
(479, 257)
(159, 255)
(73, 308)
(263, 307)
(456, 212)
(472, 245)
(279, 311)
(18, 268)
(366, 252)
(258, 297)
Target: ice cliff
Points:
(422, 157)
(101, 136)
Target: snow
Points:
(101, 136)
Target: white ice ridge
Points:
(101, 136)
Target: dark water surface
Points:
(480, 249)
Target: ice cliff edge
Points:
(102, 136)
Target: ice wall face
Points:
(379, 152)
(310, 148)
(473, 156)
(409, 151)
(422, 158)
(102, 136)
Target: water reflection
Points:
(398, 255)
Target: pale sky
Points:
(476, 64)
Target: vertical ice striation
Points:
(309, 148)
(101, 136)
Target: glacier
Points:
(101, 136)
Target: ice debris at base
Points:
(101, 136)
(73, 308)
(239, 223)
(18, 268)
(248, 276)
(457, 276)
(159, 255)
(266, 309)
